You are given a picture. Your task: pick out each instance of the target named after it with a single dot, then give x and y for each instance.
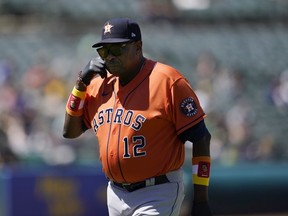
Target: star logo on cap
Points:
(107, 28)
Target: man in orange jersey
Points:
(142, 112)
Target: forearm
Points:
(73, 120)
(72, 126)
(200, 193)
(201, 149)
(201, 175)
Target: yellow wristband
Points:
(79, 94)
(201, 170)
(75, 103)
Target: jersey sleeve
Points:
(186, 109)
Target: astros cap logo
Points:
(119, 30)
(107, 28)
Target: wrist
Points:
(201, 170)
(200, 193)
(80, 85)
(75, 103)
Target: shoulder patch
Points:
(188, 107)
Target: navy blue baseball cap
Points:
(119, 30)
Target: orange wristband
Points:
(75, 103)
(201, 170)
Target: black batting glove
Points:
(201, 209)
(95, 66)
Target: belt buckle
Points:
(126, 185)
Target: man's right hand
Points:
(95, 66)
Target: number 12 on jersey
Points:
(138, 144)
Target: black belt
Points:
(137, 185)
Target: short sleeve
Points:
(186, 109)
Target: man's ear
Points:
(139, 45)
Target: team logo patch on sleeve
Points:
(188, 107)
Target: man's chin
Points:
(114, 73)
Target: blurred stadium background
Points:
(234, 53)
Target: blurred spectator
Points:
(221, 91)
(5, 71)
(7, 156)
(158, 10)
(263, 150)
(278, 92)
(239, 121)
(206, 71)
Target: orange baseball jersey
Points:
(137, 125)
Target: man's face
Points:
(120, 58)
